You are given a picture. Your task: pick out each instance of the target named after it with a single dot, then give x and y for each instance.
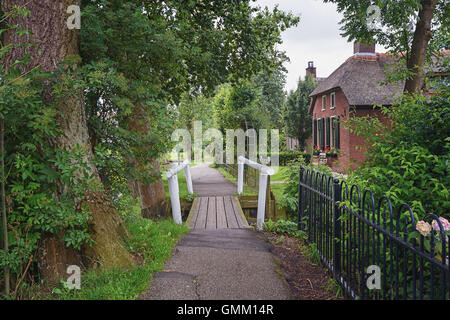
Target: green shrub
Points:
(283, 226)
(286, 157)
(409, 162)
(289, 198)
(152, 242)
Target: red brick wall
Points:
(340, 110)
(358, 155)
(349, 154)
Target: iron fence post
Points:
(300, 202)
(336, 228)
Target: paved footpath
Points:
(227, 264)
(210, 182)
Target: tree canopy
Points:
(414, 29)
(99, 112)
(297, 119)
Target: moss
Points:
(107, 230)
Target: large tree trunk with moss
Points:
(152, 195)
(55, 41)
(422, 36)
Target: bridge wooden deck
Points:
(220, 212)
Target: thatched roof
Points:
(360, 79)
(438, 64)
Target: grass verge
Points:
(182, 186)
(150, 242)
(282, 174)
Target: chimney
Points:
(364, 49)
(311, 70)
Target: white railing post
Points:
(264, 172)
(175, 198)
(187, 173)
(240, 176)
(261, 200)
(172, 178)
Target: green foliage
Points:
(257, 101)
(272, 95)
(296, 116)
(239, 104)
(184, 46)
(312, 253)
(45, 185)
(409, 163)
(142, 57)
(396, 27)
(182, 185)
(283, 226)
(287, 157)
(198, 108)
(289, 197)
(280, 175)
(152, 242)
(138, 58)
(334, 287)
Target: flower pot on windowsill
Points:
(332, 155)
(315, 154)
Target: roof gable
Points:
(359, 78)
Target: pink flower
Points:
(444, 222)
(423, 227)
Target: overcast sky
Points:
(316, 38)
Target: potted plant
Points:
(317, 151)
(331, 152)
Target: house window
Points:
(322, 133)
(335, 129)
(324, 102)
(328, 134)
(315, 132)
(333, 100)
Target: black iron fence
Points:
(374, 250)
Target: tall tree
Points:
(413, 29)
(296, 116)
(166, 49)
(53, 42)
(421, 38)
(270, 84)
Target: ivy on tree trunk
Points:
(54, 42)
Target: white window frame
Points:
(317, 131)
(332, 100)
(332, 131)
(324, 102)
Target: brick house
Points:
(352, 90)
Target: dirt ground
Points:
(306, 280)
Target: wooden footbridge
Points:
(217, 208)
(222, 212)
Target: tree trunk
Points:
(56, 41)
(152, 196)
(422, 36)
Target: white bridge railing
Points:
(264, 171)
(172, 176)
